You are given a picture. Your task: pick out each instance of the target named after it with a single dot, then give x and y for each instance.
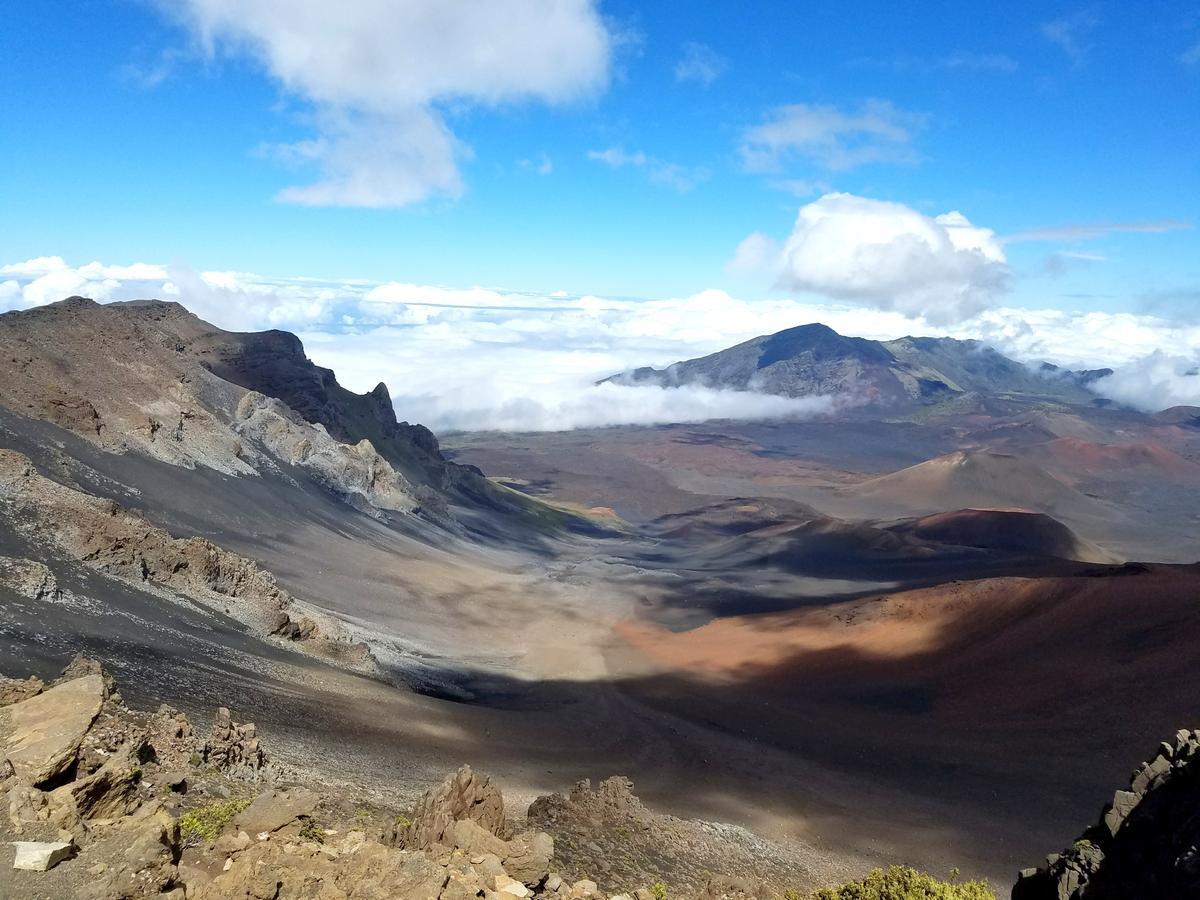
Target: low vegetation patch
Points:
(205, 823)
(311, 831)
(903, 883)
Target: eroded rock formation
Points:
(1146, 843)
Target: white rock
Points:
(40, 856)
(510, 886)
(228, 865)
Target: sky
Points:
(522, 196)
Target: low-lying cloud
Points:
(478, 357)
(1155, 382)
(566, 406)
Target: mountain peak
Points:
(814, 359)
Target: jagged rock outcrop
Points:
(234, 748)
(465, 795)
(1146, 843)
(355, 471)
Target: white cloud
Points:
(376, 73)
(831, 138)
(672, 175)
(889, 256)
(699, 63)
(542, 165)
(757, 253)
(479, 357)
(1071, 33)
(1155, 382)
(617, 157)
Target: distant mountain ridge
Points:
(814, 359)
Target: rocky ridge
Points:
(161, 382)
(1146, 843)
(123, 544)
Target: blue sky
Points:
(124, 141)
(491, 205)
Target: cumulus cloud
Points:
(1155, 382)
(888, 256)
(377, 75)
(699, 63)
(832, 138)
(673, 175)
(477, 357)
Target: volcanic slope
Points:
(370, 530)
(973, 479)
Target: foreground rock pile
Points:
(99, 802)
(1146, 844)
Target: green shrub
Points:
(311, 831)
(659, 890)
(205, 823)
(903, 883)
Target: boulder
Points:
(144, 848)
(463, 795)
(528, 858)
(111, 791)
(273, 809)
(46, 730)
(41, 856)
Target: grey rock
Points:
(41, 856)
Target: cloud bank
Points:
(477, 357)
(1158, 381)
(378, 75)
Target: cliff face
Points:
(273, 363)
(150, 377)
(1146, 843)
